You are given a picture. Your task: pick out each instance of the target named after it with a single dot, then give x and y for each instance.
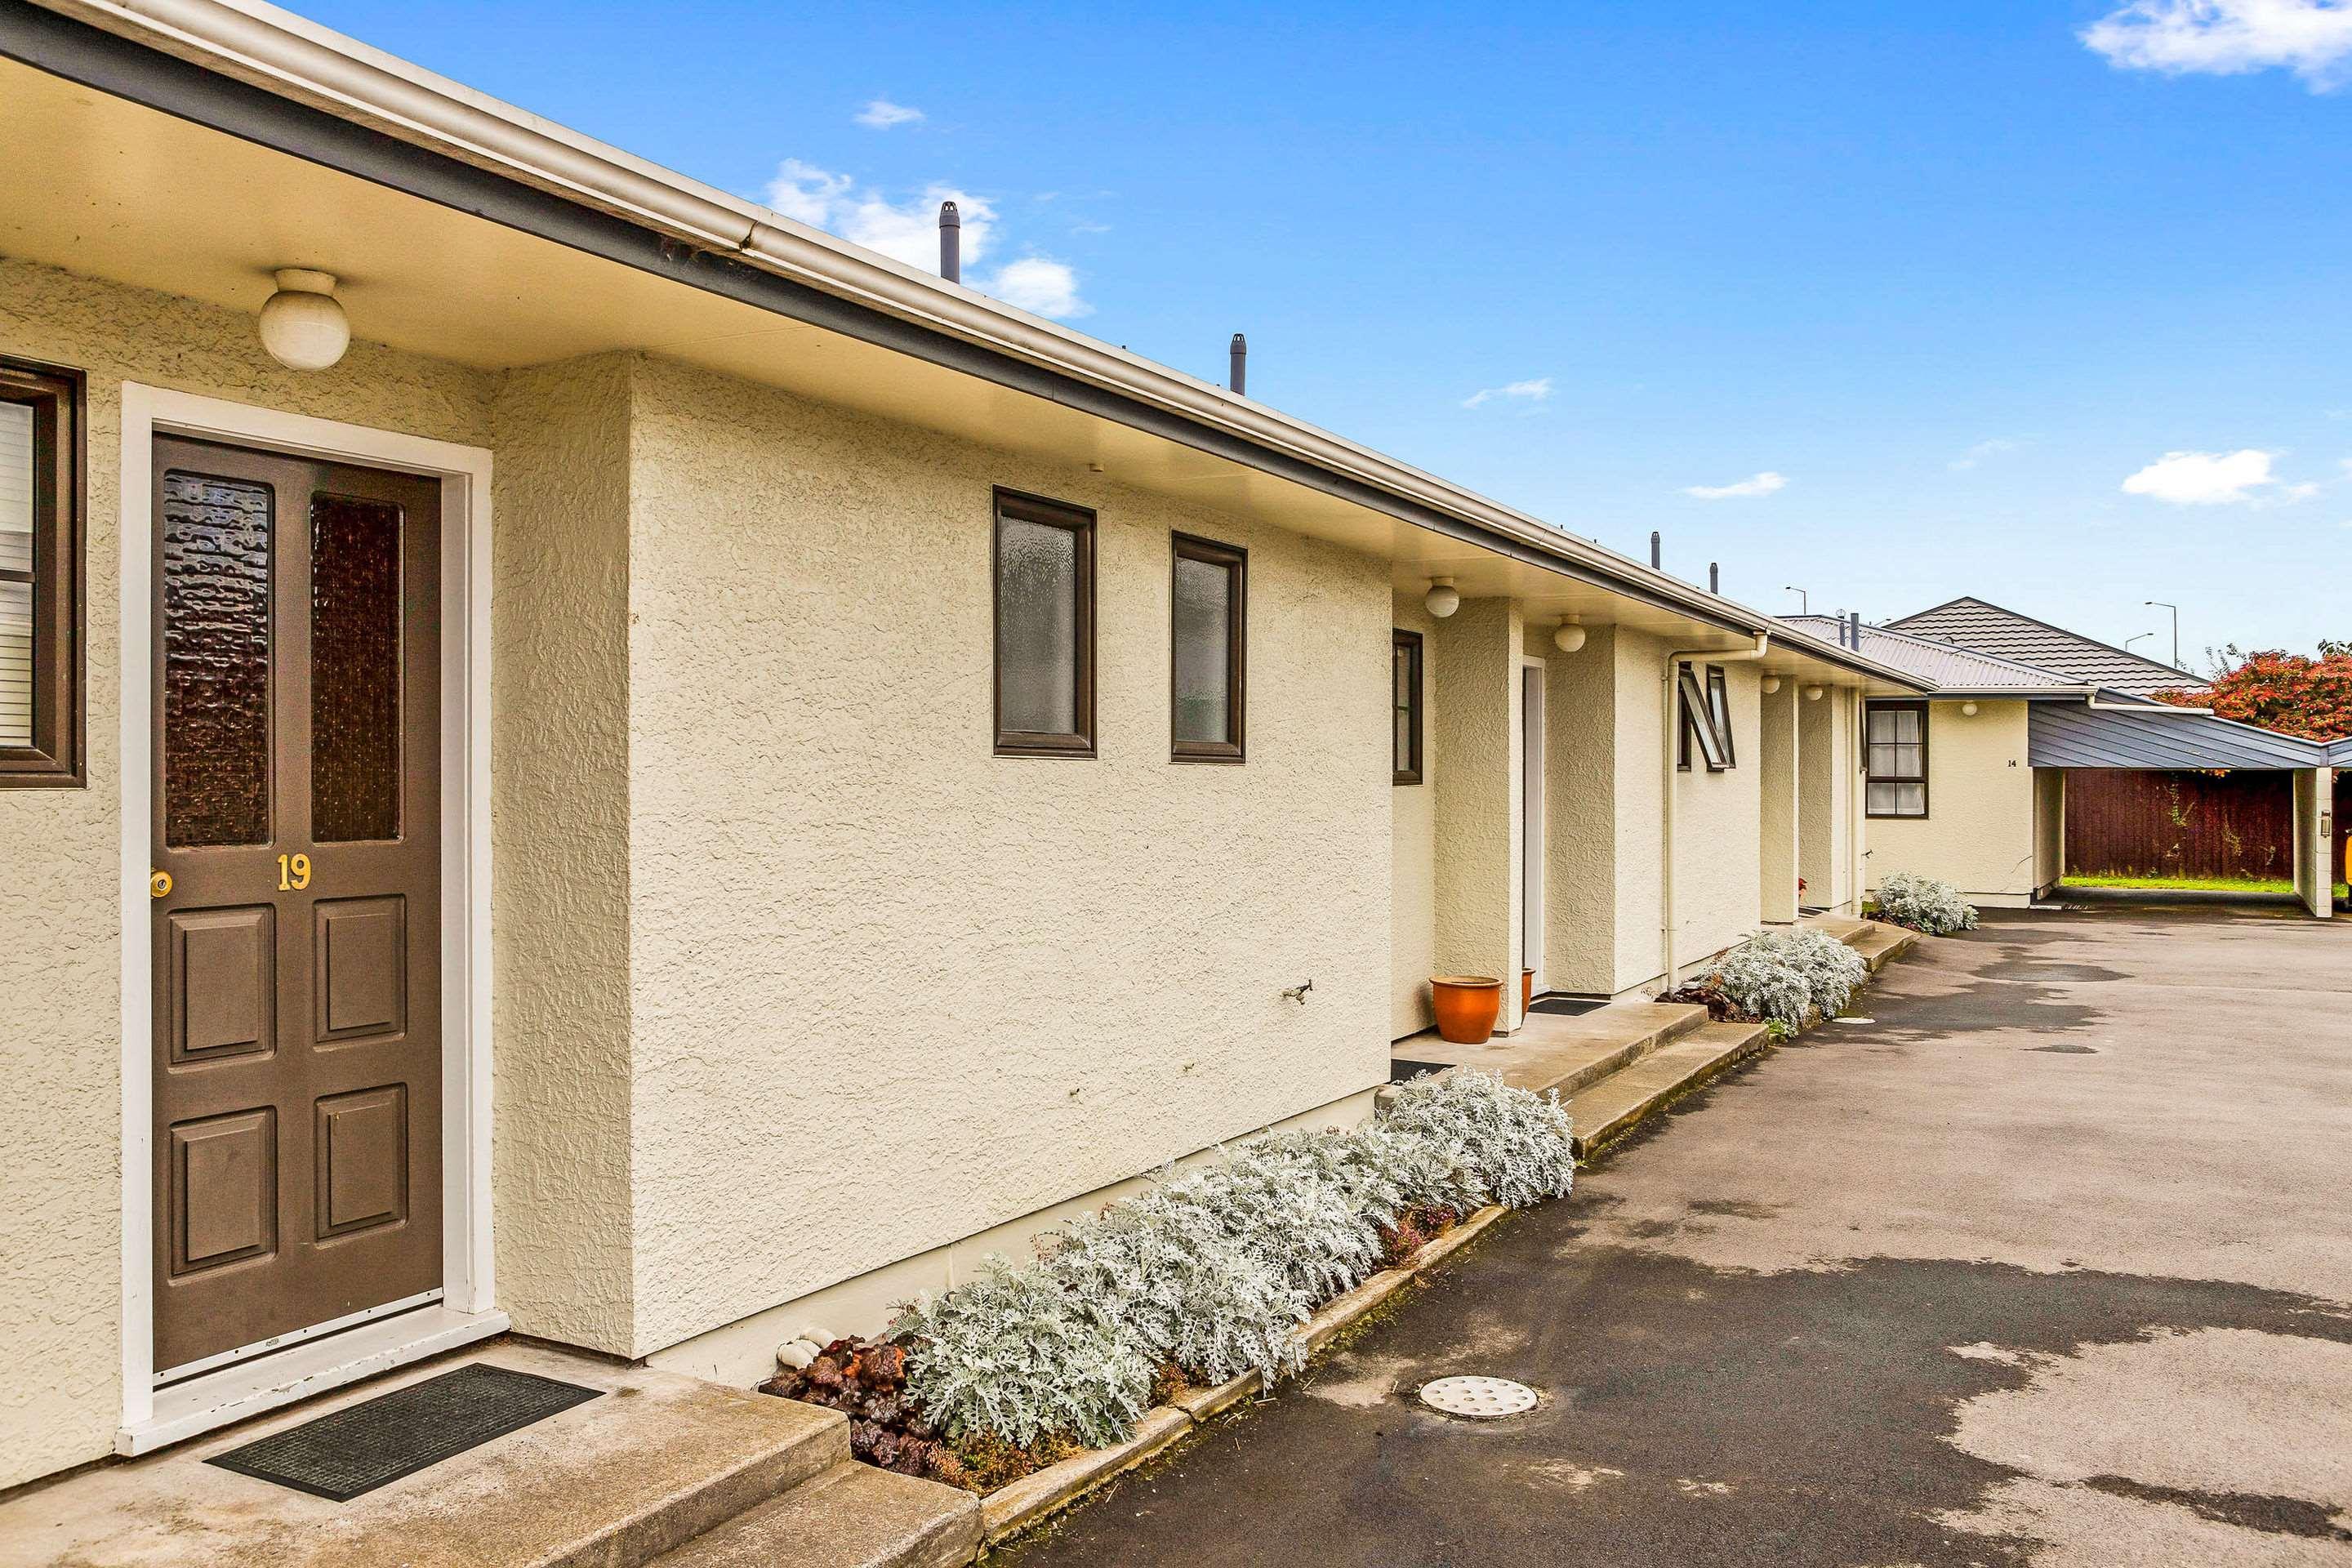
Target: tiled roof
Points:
(1947, 666)
(1987, 628)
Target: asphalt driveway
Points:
(2049, 1264)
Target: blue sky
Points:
(2043, 302)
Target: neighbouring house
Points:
(693, 778)
(2040, 755)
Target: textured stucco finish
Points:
(889, 989)
(1978, 834)
(1581, 803)
(1478, 795)
(60, 950)
(1777, 720)
(1716, 816)
(560, 830)
(2049, 827)
(1413, 840)
(1828, 810)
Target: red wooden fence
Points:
(2121, 822)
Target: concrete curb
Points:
(1010, 1510)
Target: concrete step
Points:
(611, 1483)
(1551, 1052)
(1880, 944)
(1610, 1109)
(851, 1516)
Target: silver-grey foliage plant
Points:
(1014, 1354)
(1778, 974)
(1213, 1269)
(1925, 904)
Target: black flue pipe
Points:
(1714, 578)
(1237, 366)
(1654, 557)
(951, 243)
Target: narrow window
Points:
(1699, 723)
(1894, 765)
(1404, 702)
(1209, 647)
(40, 575)
(1718, 707)
(1044, 628)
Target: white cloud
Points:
(1982, 450)
(881, 114)
(909, 231)
(1041, 285)
(2311, 39)
(1534, 391)
(2213, 478)
(1762, 484)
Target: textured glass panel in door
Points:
(1037, 627)
(354, 669)
(1204, 613)
(215, 635)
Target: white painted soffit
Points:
(272, 48)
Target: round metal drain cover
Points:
(1480, 1398)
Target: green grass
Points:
(2193, 884)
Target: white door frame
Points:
(151, 1417)
(1534, 807)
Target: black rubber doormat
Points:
(362, 1446)
(1566, 1006)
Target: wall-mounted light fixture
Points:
(1443, 598)
(302, 326)
(1812, 694)
(1772, 684)
(1969, 709)
(1569, 636)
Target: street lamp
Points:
(2161, 605)
(2135, 638)
(1801, 600)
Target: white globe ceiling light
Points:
(1812, 694)
(1568, 636)
(1772, 684)
(1969, 709)
(302, 326)
(1443, 598)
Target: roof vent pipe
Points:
(1654, 550)
(1713, 577)
(951, 243)
(1237, 366)
(1853, 632)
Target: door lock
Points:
(159, 884)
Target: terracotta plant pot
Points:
(1527, 989)
(1467, 1007)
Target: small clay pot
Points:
(1527, 989)
(1467, 1007)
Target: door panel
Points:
(296, 1052)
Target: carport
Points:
(2086, 743)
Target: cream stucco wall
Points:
(1978, 834)
(2049, 827)
(559, 926)
(1413, 860)
(1717, 852)
(61, 943)
(1581, 802)
(1780, 756)
(889, 989)
(1478, 866)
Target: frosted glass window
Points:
(16, 574)
(1045, 629)
(1208, 616)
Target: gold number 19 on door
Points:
(293, 873)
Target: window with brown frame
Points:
(1895, 759)
(40, 575)
(1208, 635)
(1045, 580)
(1404, 706)
(1704, 715)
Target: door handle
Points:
(159, 884)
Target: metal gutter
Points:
(267, 76)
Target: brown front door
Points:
(296, 816)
